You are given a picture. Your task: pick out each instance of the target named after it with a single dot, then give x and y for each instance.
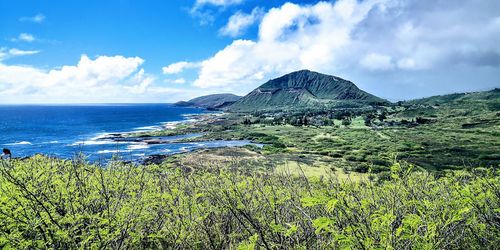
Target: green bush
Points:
(48, 203)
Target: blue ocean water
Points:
(65, 130)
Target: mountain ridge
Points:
(303, 89)
(214, 101)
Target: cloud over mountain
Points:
(240, 21)
(371, 41)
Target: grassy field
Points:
(436, 134)
(440, 133)
(430, 146)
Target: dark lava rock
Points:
(154, 159)
(153, 141)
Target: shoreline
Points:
(167, 129)
(144, 140)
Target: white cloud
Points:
(218, 2)
(240, 21)
(206, 10)
(290, 37)
(18, 52)
(3, 54)
(374, 62)
(179, 81)
(24, 37)
(141, 83)
(6, 54)
(38, 18)
(178, 67)
(103, 79)
(176, 81)
(394, 42)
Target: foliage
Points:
(50, 203)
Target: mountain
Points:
(216, 101)
(305, 89)
(492, 96)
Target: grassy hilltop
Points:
(305, 89)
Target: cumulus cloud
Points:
(178, 67)
(290, 37)
(240, 21)
(103, 79)
(391, 42)
(38, 18)
(24, 37)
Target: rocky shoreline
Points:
(168, 133)
(171, 132)
(186, 136)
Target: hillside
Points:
(216, 101)
(474, 105)
(457, 98)
(305, 89)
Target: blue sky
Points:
(165, 51)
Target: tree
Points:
(368, 119)
(382, 116)
(346, 121)
(247, 121)
(305, 122)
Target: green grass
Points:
(317, 172)
(433, 146)
(462, 133)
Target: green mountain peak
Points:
(305, 89)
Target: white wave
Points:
(112, 151)
(138, 146)
(50, 142)
(147, 128)
(96, 142)
(20, 143)
(170, 125)
(108, 151)
(100, 136)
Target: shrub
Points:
(48, 203)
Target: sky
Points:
(132, 51)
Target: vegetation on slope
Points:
(48, 203)
(452, 135)
(216, 101)
(305, 89)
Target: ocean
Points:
(67, 130)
